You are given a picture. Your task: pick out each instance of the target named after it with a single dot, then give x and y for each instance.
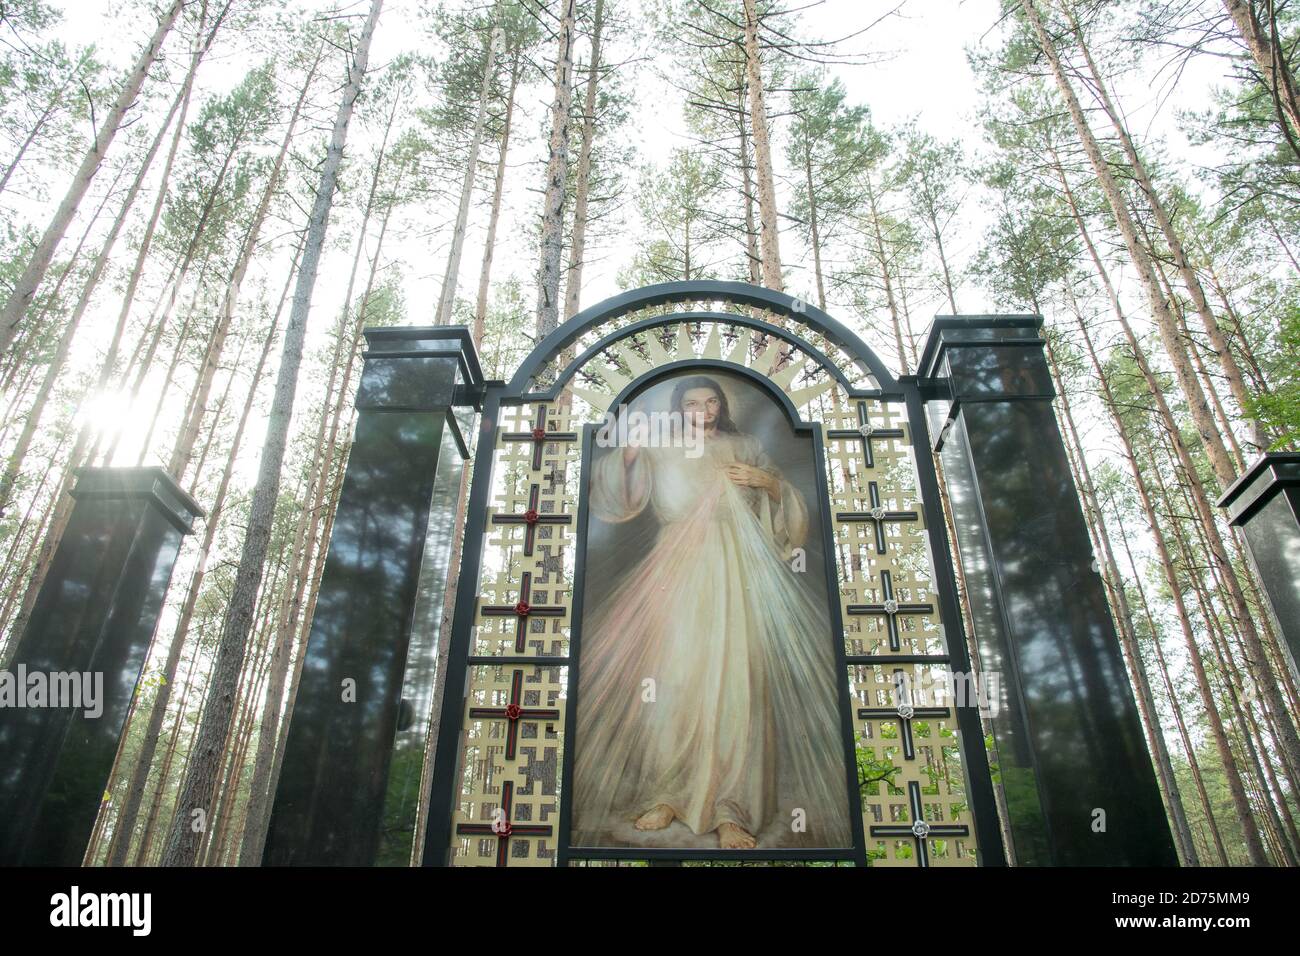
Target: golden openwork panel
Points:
(907, 740)
(882, 548)
(802, 365)
(507, 804)
(913, 787)
(525, 584)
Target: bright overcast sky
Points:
(924, 74)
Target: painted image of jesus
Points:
(707, 710)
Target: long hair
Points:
(684, 385)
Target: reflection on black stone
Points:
(95, 613)
(1267, 508)
(414, 383)
(1069, 738)
(996, 371)
(401, 802)
(331, 790)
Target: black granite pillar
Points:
(1079, 784)
(86, 642)
(1265, 503)
(343, 797)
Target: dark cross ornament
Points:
(904, 713)
(539, 436)
(522, 610)
(878, 515)
(920, 830)
(532, 518)
(889, 609)
(865, 433)
(502, 828)
(513, 712)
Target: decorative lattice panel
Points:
(909, 750)
(605, 370)
(526, 587)
(913, 792)
(507, 808)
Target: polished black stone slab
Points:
(1079, 784)
(94, 617)
(419, 679)
(1265, 503)
(351, 758)
(430, 381)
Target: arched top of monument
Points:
(562, 352)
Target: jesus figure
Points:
(706, 691)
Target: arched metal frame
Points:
(522, 390)
(740, 293)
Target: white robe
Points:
(744, 725)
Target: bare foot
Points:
(656, 818)
(732, 837)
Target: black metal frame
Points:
(445, 782)
(676, 318)
(741, 293)
(979, 778)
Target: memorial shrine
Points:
(740, 641)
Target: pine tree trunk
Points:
(10, 639)
(769, 240)
(181, 454)
(155, 801)
(1268, 57)
(15, 568)
(155, 215)
(1193, 352)
(249, 693)
(882, 259)
(25, 289)
(173, 293)
(1224, 669)
(21, 357)
(44, 118)
(36, 411)
(41, 121)
(217, 421)
(1216, 403)
(449, 280)
(752, 258)
(557, 171)
(1258, 437)
(813, 231)
(198, 792)
(582, 184)
(932, 220)
(1196, 402)
(1175, 704)
(192, 312)
(1259, 379)
(498, 188)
